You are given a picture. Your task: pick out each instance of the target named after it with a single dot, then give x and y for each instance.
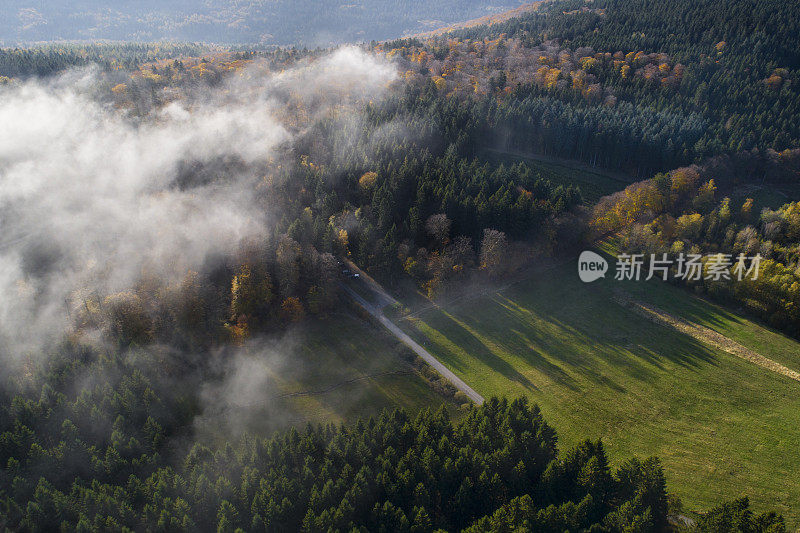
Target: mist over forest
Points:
(158, 195)
(274, 266)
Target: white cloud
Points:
(89, 197)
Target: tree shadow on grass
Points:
(622, 338)
(558, 320)
(513, 338)
(682, 302)
(539, 335)
(466, 341)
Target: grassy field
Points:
(336, 370)
(767, 342)
(594, 183)
(723, 427)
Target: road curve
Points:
(419, 350)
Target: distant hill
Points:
(486, 20)
(269, 22)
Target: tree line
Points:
(687, 211)
(96, 462)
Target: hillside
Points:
(300, 23)
(248, 287)
(487, 20)
(721, 426)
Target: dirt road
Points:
(703, 334)
(376, 311)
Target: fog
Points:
(92, 197)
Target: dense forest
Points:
(97, 434)
(642, 85)
(498, 469)
(47, 60)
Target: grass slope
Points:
(343, 348)
(336, 370)
(722, 426)
(767, 342)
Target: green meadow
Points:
(722, 426)
(335, 370)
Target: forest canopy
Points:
(224, 193)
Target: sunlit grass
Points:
(722, 426)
